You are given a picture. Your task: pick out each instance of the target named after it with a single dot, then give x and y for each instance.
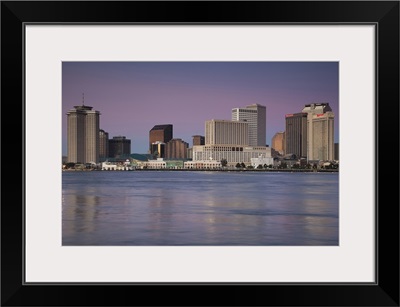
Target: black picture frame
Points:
(383, 14)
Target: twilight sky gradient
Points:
(132, 97)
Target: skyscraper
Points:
(255, 116)
(160, 133)
(176, 149)
(198, 140)
(83, 134)
(296, 134)
(103, 147)
(226, 132)
(119, 146)
(158, 149)
(320, 131)
(278, 142)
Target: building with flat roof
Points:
(83, 142)
(278, 142)
(320, 131)
(157, 149)
(160, 133)
(226, 132)
(198, 140)
(176, 149)
(103, 145)
(232, 154)
(336, 156)
(255, 116)
(119, 146)
(296, 134)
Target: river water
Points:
(170, 208)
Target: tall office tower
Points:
(336, 157)
(176, 149)
(320, 131)
(278, 142)
(83, 134)
(255, 115)
(119, 146)
(103, 145)
(296, 134)
(226, 132)
(198, 140)
(157, 149)
(160, 133)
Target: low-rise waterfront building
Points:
(233, 154)
(205, 164)
(158, 163)
(261, 160)
(117, 166)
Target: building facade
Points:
(207, 164)
(296, 134)
(320, 131)
(255, 116)
(103, 145)
(278, 142)
(157, 149)
(232, 154)
(176, 149)
(83, 134)
(160, 133)
(119, 146)
(336, 156)
(226, 132)
(198, 140)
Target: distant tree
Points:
(238, 165)
(224, 162)
(243, 165)
(265, 166)
(259, 166)
(250, 167)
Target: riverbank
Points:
(212, 170)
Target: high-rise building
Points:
(336, 157)
(226, 132)
(176, 149)
(103, 145)
(296, 134)
(83, 134)
(157, 149)
(160, 133)
(119, 146)
(278, 142)
(228, 141)
(255, 116)
(320, 131)
(198, 140)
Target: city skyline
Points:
(132, 97)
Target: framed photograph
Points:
(239, 146)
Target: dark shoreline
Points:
(215, 170)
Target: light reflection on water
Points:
(200, 208)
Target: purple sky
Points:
(132, 97)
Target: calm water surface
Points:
(200, 208)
